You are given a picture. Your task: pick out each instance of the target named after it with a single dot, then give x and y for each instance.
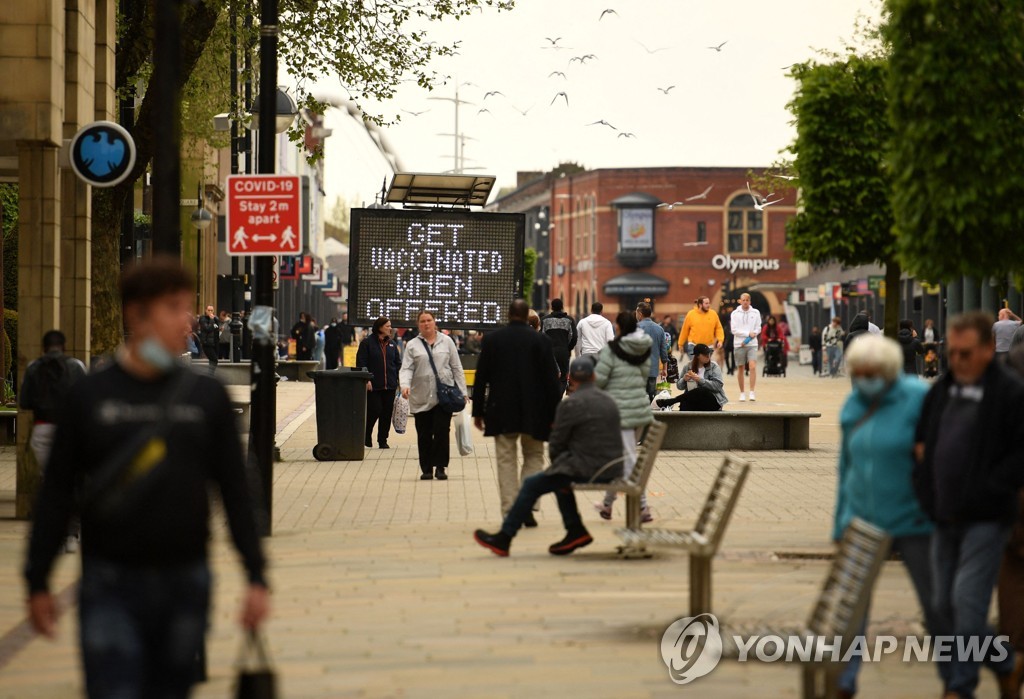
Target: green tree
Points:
(842, 140)
(529, 272)
(371, 48)
(955, 82)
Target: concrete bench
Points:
(295, 370)
(635, 483)
(741, 430)
(837, 614)
(229, 373)
(9, 421)
(703, 540)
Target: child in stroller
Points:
(773, 359)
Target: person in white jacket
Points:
(746, 326)
(594, 332)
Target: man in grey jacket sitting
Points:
(584, 438)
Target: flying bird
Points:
(719, 47)
(702, 195)
(761, 203)
(671, 206)
(554, 42)
(785, 177)
(607, 12)
(560, 94)
(485, 109)
(627, 134)
(523, 111)
(493, 92)
(602, 122)
(650, 50)
(666, 90)
(416, 114)
(582, 59)
(557, 72)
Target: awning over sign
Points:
(636, 283)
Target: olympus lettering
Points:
(754, 265)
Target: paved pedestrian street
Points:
(380, 591)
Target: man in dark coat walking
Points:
(514, 398)
(560, 328)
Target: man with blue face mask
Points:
(141, 441)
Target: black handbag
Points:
(672, 370)
(256, 678)
(449, 398)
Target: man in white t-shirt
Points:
(746, 326)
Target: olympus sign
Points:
(754, 265)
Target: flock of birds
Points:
(561, 97)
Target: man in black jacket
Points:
(332, 344)
(970, 453)
(584, 440)
(514, 399)
(561, 330)
(209, 336)
(142, 440)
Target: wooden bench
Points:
(739, 430)
(703, 540)
(633, 485)
(839, 610)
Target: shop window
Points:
(745, 227)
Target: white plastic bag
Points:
(400, 415)
(664, 395)
(464, 433)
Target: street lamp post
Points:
(201, 219)
(264, 399)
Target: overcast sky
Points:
(728, 107)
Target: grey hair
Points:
(875, 352)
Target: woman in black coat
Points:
(380, 355)
(303, 333)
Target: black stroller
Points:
(774, 362)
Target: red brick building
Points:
(619, 236)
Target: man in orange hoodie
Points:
(701, 327)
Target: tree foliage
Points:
(529, 272)
(840, 151)
(369, 47)
(955, 86)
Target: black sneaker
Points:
(369, 444)
(383, 445)
(530, 521)
(426, 476)
(571, 542)
(498, 543)
(664, 402)
(441, 475)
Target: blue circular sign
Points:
(102, 153)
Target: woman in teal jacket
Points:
(876, 460)
(622, 370)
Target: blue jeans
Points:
(533, 488)
(965, 566)
(916, 553)
(142, 629)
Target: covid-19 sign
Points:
(466, 268)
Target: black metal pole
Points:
(264, 399)
(247, 95)
(167, 136)
(126, 117)
(236, 324)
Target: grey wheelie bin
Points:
(340, 414)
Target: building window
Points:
(702, 232)
(745, 227)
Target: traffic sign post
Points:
(264, 215)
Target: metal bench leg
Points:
(700, 584)
(633, 512)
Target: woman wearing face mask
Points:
(878, 422)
